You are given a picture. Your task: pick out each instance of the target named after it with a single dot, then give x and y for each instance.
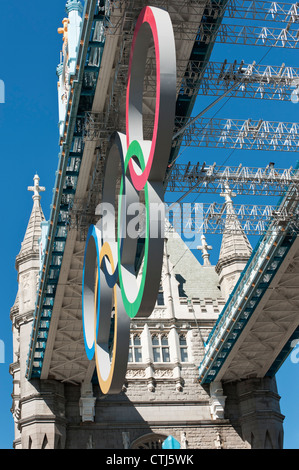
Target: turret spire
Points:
(33, 232)
(235, 247)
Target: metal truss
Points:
(259, 10)
(241, 9)
(268, 181)
(252, 219)
(240, 134)
(98, 126)
(287, 37)
(252, 81)
(126, 12)
(220, 133)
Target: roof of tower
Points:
(235, 245)
(195, 280)
(33, 231)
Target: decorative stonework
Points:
(163, 373)
(218, 442)
(87, 403)
(135, 374)
(217, 400)
(126, 440)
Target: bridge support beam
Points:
(253, 407)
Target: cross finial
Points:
(36, 189)
(227, 193)
(204, 248)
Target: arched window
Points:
(135, 351)
(160, 298)
(160, 348)
(183, 348)
(149, 441)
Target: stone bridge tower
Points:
(161, 395)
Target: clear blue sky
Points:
(29, 54)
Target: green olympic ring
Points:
(126, 274)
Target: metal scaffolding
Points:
(202, 178)
(287, 37)
(252, 219)
(254, 81)
(240, 134)
(261, 10)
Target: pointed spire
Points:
(235, 247)
(234, 242)
(33, 231)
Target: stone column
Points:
(174, 348)
(147, 357)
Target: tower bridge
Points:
(237, 320)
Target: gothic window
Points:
(160, 298)
(160, 348)
(135, 352)
(150, 441)
(183, 348)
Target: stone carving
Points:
(217, 400)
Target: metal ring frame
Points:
(113, 292)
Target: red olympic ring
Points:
(155, 23)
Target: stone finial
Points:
(228, 194)
(184, 442)
(36, 189)
(218, 442)
(204, 247)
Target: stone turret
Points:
(28, 266)
(67, 67)
(235, 248)
(27, 261)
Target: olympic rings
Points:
(155, 23)
(122, 272)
